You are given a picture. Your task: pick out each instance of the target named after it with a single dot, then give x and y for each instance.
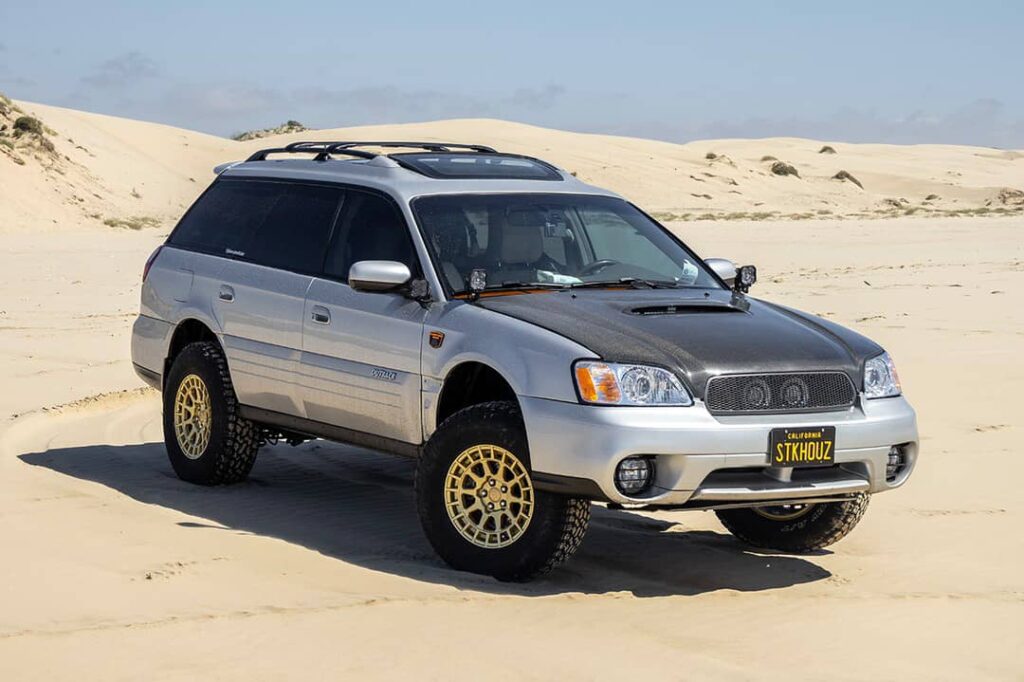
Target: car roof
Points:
(406, 175)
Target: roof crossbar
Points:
(324, 149)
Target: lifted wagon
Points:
(536, 342)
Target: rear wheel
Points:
(478, 504)
(207, 441)
(797, 527)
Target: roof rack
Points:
(323, 150)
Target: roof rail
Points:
(324, 149)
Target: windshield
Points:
(566, 240)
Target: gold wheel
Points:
(784, 512)
(193, 416)
(489, 496)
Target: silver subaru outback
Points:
(536, 343)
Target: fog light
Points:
(634, 475)
(896, 463)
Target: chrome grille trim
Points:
(779, 392)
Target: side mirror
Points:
(378, 275)
(724, 268)
(738, 278)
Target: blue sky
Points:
(901, 72)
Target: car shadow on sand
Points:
(357, 506)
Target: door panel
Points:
(260, 312)
(360, 367)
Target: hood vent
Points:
(682, 309)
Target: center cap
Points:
(494, 495)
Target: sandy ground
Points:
(113, 569)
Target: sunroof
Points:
(467, 165)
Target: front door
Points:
(360, 361)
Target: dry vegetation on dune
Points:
(286, 128)
(25, 137)
(60, 167)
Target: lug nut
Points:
(490, 505)
(493, 483)
(504, 488)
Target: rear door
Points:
(276, 234)
(361, 351)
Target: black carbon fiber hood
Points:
(698, 334)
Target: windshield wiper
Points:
(515, 286)
(635, 282)
(524, 285)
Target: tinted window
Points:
(225, 218)
(294, 234)
(371, 228)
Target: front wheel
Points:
(795, 528)
(478, 504)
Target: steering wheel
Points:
(596, 267)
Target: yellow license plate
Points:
(802, 447)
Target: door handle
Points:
(321, 315)
(226, 293)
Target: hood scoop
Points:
(684, 308)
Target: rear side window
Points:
(277, 224)
(224, 220)
(294, 234)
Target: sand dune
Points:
(316, 567)
(113, 169)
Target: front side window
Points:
(551, 239)
(371, 228)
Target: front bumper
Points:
(706, 461)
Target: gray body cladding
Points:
(697, 333)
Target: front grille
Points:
(790, 392)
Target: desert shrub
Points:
(844, 175)
(783, 168)
(931, 197)
(827, 150)
(711, 156)
(768, 158)
(132, 223)
(28, 124)
(1011, 196)
(895, 203)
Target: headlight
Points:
(880, 378)
(606, 383)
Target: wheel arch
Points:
(471, 382)
(189, 330)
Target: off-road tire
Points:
(558, 524)
(234, 441)
(823, 525)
